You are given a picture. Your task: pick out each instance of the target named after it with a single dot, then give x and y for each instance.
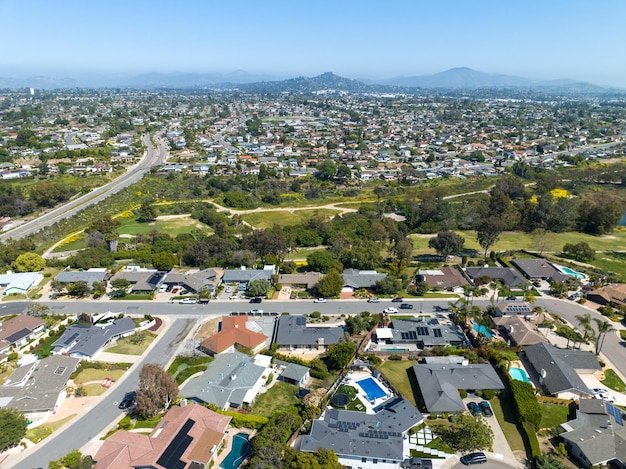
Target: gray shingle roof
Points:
(357, 434)
(361, 278)
(560, 367)
(226, 381)
(536, 268)
(426, 333)
(292, 330)
(440, 384)
(86, 341)
(510, 277)
(86, 276)
(246, 276)
(294, 372)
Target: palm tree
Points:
(584, 321)
(603, 328)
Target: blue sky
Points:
(536, 39)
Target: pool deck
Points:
(351, 380)
(228, 443)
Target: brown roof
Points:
(234, 332)
(444, 278)
(309, 279)
(614, 292)
(16, 324)
(127, 450)
(519, 330)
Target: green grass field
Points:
(279, 396)
(553, 415)
(613, 381)
(285, 217)
(504, 412)
(397, 373)
(94, 389)
(91, 374)
(126, 347)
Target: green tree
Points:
(584, 320)
(466, 433)
(72, 460)
(120, 286)
(339, 355)
(321, 261)
(260, 287)
(331, 284)
(579, 252)
(78, 289)
(156, 392)
(326, 169)
(146, 212)
(447, 243)
(12, 427)
(604, 327)
(488, 231)
(29, 262)
(164, 260)
(388, 286)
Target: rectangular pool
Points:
(373, 390)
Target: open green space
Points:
(92, 374)
(553, 415)
(279, 396)
(400, 375)
(126, 346)
(613, 381)
(267, 219)
(505, 413)
(94, 389)
(171, 226)
(73, 245)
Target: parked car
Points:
(406, 306)
(474, 408)
(128, 401)
(188, 301)
(162, 288)
(257, 312)
(319, 300)
(601, 393)
(397, 300)
(536, 283)
(511, 298)
(256, 299)
(390, 310)
(228, 289)
(373, 300)
(474, 458)
(486, 408)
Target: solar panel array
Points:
(437, 332)
(71, 339)
(171, 457)
(421, 330)
(379, 435)
(518, 309)
(345, 426)
(60, 370)
(615, 412)
(409, 335)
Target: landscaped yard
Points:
(184, 367)
(504, 412)
(355, 403)
(39, 433)
(280, 396)
(553, 415)
(94, 389)
(91, 374)
(126, 346)
(397, 373)
(613, 381)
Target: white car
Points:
(601, 393)
(319, 300)
(229, 289)
(257, 312)
(162, 288)
(390, 310)
(188, 301)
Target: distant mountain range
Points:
(460, 78)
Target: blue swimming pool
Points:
(241, 447)
(370, 388)
(519, 374)
(483, 330)
(573, 273)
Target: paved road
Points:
(154, 156)
(92, 424)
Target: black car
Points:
(406, 306)
(474, 408)
(397, 300)
(128, 401)
(511, 298)
(474, 458)
(486, 408)
(256, 300)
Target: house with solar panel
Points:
(365, 440)
(293, 333)
(86, 342)
(17, 331)
(417, 334)
(515, 308)
(596, 436)
(187, 437)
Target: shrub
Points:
(488, 394)
(462, 393)
(529, 435)
(526, 405)
(395, 357)
(125, 423)
(622, 334)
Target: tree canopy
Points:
(12, 427)
(157, 390)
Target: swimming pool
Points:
(241, 447)
(373, 390)
(573, 273)
(519, 374)
(483, 330)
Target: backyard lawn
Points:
(126, 347)
(91, 374)
(553, 415)
(397, 373)
(184, 367)
(279, 396)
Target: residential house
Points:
(515, 308)
(294, 374)
(558, 369)
(446, 278)
(194, 282)
(19, 283)
(242, 277)
(614, 293)
(38, 387)
(186, 437)
(539, 269)
(596, 436)
(236, 331)
(367, 441)
(86, 342)
(293, 333)
(518, 330)
(354, 279)
(89, 276)
(141, 280)
(306, 280)
(507, 275)
(231, 380)
(419, 333)
(18, 330)
(439, 383)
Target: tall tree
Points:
(157, 390)
(584, 320)
(488, 231)
(447, 243)
(604, 327)
(331, 284)
(12, 427)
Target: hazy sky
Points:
(536, 39)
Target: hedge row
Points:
(529, 434)
(245, 420)
(525, 402)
